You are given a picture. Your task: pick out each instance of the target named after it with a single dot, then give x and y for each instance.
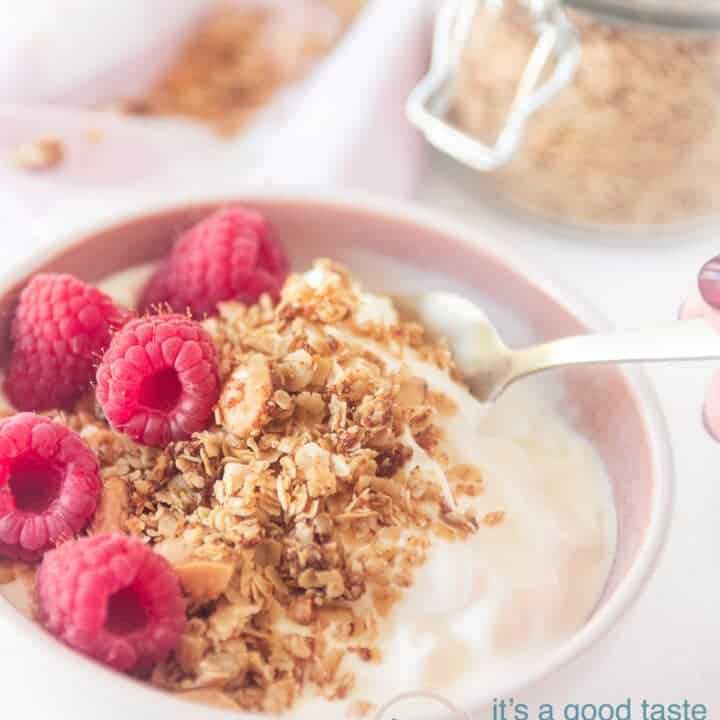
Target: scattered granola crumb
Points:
(245, 395)
(360, 709)
(494, 518)
(95, 135)
(113, 507)
(39, 154)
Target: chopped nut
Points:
(176, 551)
(411, 391)
(310, 407)
(302, 610)
(494, 518)
(314, 462)
(458, 521)
(309, 579)
(360, 709)
(468, 474)
(167, 525)
(229, 619)
(323, 528)
(442, 403)
(323, 367)
(282, 399)
(391, 460)
(245, 395)
(332, 581)
(298, 371)
(113, 507)
(364, 653)
(40, 154)
(299, 646)
(205, 580)
(189, 651)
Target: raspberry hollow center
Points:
(161, 390)
(126, 613)
(34, 484)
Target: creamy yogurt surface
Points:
(482, 610)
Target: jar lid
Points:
(700, 15)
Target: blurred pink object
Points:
(704, 302)
(709, 282)
(343, 127)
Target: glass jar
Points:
(597, 113)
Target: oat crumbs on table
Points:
(295, 521)
(41, 153)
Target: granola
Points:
(238, 60)
(297, 520)
(632, 140)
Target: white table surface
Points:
(667, 650)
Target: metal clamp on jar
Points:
(597, 113)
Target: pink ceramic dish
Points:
(401, 248)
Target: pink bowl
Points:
(401, 247)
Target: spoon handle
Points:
(683, 340)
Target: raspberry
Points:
(230, 255)
(112, 598)
(158, 381)
(49, 485)
(61, 326)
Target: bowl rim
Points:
(483, 241)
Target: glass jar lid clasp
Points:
(428, 103)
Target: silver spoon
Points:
(490, 366)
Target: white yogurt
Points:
(125, 287)
(482, 610)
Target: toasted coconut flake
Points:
(113, 507)
(205, 580)
(244, 398)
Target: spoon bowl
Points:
(490, 367)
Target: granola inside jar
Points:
(630, 139)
